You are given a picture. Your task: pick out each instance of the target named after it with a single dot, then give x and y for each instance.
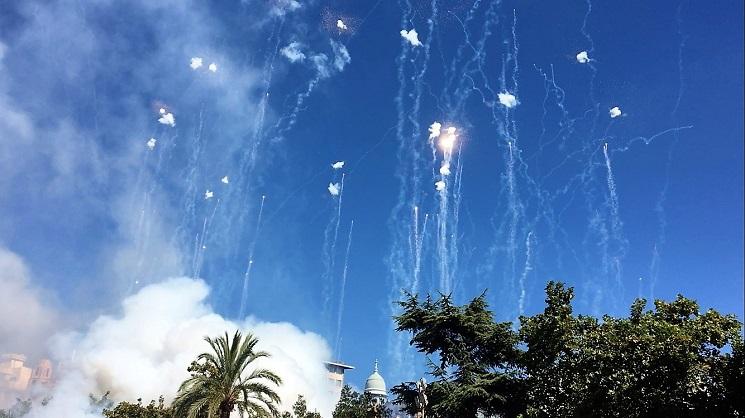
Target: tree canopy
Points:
(300, 410)
(672, 360)
(137, 410)
(353, 404)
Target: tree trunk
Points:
(225, 409)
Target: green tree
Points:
(476, 368)
(219, 383)
(21, 408)
(98, 404)
(358, 405)
(553, 340)
(300, 410)
(132, 410)
(668, 361)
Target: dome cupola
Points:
(375, 385)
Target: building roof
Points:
(337, 364)
(375, 384)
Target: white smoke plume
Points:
(293, 52)
(282, 7)
(324, 67)
(341, 55)
(25, 317)
(582, 57)
(196, 62)
(167, 119)
(411, 36)
(507, 99)
(144, 351)
(445, 169)
(434, 130)
(334, 189)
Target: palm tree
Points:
(218, 385)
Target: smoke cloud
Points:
(293, 52)
(507, 100)
(144, 351)
(25, 317)
(411, 36)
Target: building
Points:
(335, 374)
(14, 375)
(42, 375)
(375, 386)
(17, 378)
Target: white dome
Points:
(375, 384)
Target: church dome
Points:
(375, 385)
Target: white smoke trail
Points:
(616, 225)
(249, 267)
(342, 292)
(240, 193)
(147, 187)
(655, 262)
(324, 67)
(445, 286)
(200, 243)
(526, 270)
(514, 215)
(401, 257)
(331, 236)
(418, 244)
(590, 50)
(611, 186)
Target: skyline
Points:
(295, 164)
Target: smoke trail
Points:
(324, 67)
(659, 209)
(616, 224)
(145, 207)
(342, 291)
(247, 275)
(418, 244)
(407, 155)
(526, 270)
(331, 236)
(199, 243)
(442, 243)
(590, 50)
(513, 213)
(241, 192)
(613, 196)
(286, 124)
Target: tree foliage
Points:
(21, 408)
(300, 410)
(359, 405)
(672, 360)
(137, 410)
(218, 384)
(476, 366)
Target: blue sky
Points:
(535, 193)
